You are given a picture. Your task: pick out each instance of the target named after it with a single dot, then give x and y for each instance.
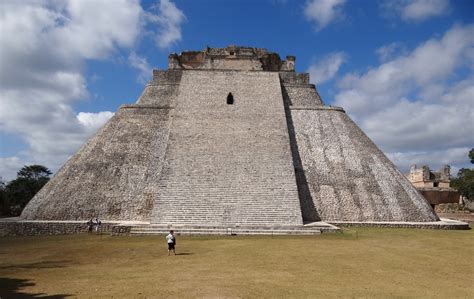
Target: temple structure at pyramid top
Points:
(231, 58)
(230, 137)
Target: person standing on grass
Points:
(171, 242)
(90, 225)
(98, 223)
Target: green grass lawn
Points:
(377, 263)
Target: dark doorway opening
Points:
(230, 99)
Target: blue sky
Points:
(402, 69)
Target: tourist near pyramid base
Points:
(230, 137)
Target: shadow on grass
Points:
(184, 253)
(10, 288)
(39, 265)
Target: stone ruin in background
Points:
(434, 185)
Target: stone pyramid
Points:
(230, 136)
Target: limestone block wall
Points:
(297, 93)
(301, 95)
(114, 175)
(348, 177)
(163, 95)
(227, 64)
(166, 77)
(294, 78)
(228, 164)
(162, 89)
(436, 196)
(41, 228)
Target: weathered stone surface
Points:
(348, 177)
(434, 185)
(159, 95)
(228, 163)
(166, 77)
(37, 228)
(444, 224)
(277, 156)
(294, 78)
(301, 95)
(114, 175)
(231, 58)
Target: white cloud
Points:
(416, 10)
(92, 28)
(419, 103)
(326, 68)
(323, 12)
(141, 64)
(45, 46)
(432, 63)
(9, 167)
(387, 52)
(434, 159)
(169, 21)
(419, 10)
(93, 121)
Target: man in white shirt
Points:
(171, 242)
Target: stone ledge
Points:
(15, 227)
(302, 85)
(228, 70)
(332, 108)
(151, 83)
(314, 228)
(144, 106)
(446, 224)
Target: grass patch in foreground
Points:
(358, 263)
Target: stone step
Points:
(318, 225)
(314, 228)
(166, 229)
(157, 231)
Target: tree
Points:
(464, 182)
(36, 172)
(18, 192)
